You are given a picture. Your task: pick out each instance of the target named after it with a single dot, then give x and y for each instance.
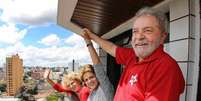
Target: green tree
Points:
(52, 97)
(55, 96)
(2, 87)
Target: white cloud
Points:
(79, 48)
(75, 40)
(37, 12)
(10, 34)
(50, 40)
(53, 56)
(31, 12)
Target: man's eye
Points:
(147, 30)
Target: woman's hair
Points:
(160, 17)
(71, 76)
(86, 68)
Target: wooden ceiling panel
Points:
(101, 16)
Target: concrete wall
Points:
(182, 41)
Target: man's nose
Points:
(139, 36)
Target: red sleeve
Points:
(123, 55)
(84, 94)
(164, 82)
(59, 88)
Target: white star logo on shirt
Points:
(133, 79)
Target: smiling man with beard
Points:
(150, 74)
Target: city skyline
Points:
(32, 33)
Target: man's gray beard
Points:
(141, 53)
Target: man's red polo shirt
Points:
(156, 78)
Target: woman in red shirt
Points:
(72, 85)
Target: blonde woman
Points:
(72, 85)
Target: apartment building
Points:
(14, 74)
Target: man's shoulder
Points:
(166, 62)
(167, 58)
(124, 49)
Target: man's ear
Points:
(163, 37)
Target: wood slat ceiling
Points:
(101, 16)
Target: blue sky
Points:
(32, 32)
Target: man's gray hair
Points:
(160, 17)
